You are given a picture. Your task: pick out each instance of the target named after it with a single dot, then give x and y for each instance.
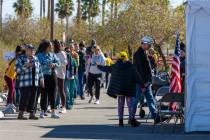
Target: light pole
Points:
(52, 21)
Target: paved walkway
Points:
(88, 121)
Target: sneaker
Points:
(137, 122)
(134, 123)
(121, 124)
(42, 115)
(91, 99)
(82, 97)
(55, 116)
(97, 102)
(63, 110)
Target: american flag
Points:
(175, 81)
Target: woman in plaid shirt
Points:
(30, 75)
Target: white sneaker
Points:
(63, 110)
(42, 115)
(12, 106)
(55, 116)
(97, 102)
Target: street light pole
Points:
(52, 21)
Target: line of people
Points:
(55, 74)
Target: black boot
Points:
(134, 123)
(121, 123)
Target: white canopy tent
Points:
(198, 66)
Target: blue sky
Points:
(8, 10)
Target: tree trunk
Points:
(67, 25)
(41, 2)
(115, 9)
(49, 10)
(43, 8)
(103, 11)
(1, 6)
(112, 9)
(78, 12)
(52, 21)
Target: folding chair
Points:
(160, 92)
(164, 110)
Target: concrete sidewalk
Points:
(89, 121)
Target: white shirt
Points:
(61, 71)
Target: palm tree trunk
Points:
(41, 9)
(103, 11)
(67, 25)
(112, 9)
(115, 9)
(49, 10)
(1, 6)
(78, 11)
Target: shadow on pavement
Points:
(143, 132)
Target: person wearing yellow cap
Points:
(124, 78)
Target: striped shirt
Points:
(26, 77)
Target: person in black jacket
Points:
(142, 64)
(81, 69)
(124, 78)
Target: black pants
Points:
(94, 79)
(49, 92)
(28, 99)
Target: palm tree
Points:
(90, 9)
(1, 6)
(23, 8)
(64, 8)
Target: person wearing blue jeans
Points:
(149, 98)
(143, 67)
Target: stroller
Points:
(159, 80)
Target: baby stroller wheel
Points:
(142, 113)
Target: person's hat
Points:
(123, 56)
(29, 46)
(147, 40)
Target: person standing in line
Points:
(95, 74)
(61, 72)
(30, 75)
(70, 81)
(81, 69)
(49, 63)
(75, 55)
(10, 77)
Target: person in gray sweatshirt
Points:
(95, 74)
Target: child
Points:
(123, 85)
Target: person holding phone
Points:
(30, 75)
